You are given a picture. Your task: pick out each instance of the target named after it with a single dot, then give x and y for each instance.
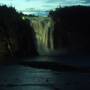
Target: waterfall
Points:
(43, 27)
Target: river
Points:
(28, 76)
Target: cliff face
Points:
(17, 38)
(72, 28)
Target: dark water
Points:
(81, 61)
(27, 75)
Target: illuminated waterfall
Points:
(43, 27)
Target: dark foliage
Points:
(16, 35)
(72, 28)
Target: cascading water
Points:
(43, 27)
